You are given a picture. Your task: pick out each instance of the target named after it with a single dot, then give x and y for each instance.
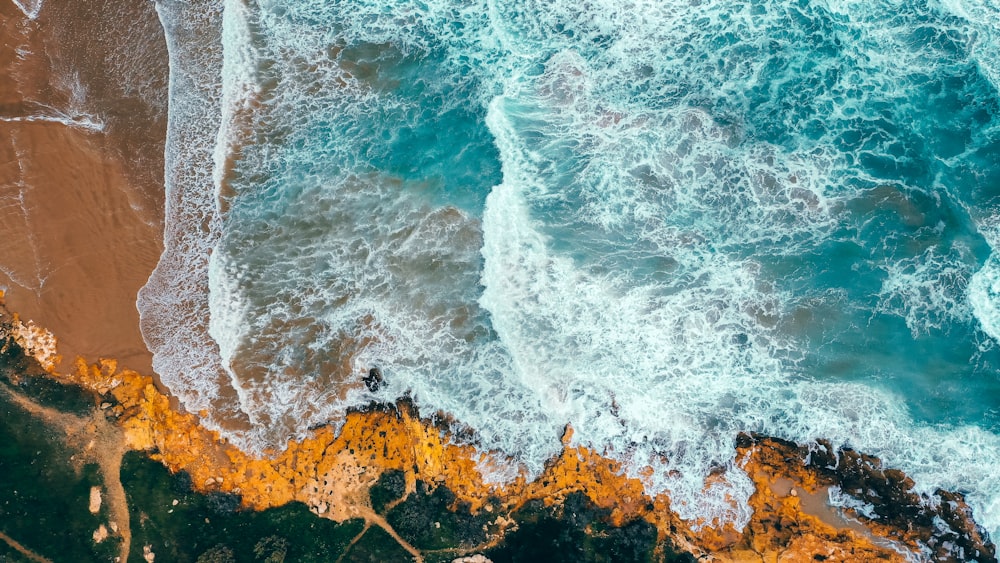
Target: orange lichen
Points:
(332, 472)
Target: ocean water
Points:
(661, 222)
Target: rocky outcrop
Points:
(940, 523)
(397, 471)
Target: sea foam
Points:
(534, 214)
(30, 8)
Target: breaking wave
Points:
(660, 222)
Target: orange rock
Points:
(332, 473)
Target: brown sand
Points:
(81, 206)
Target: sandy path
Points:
(372, 518)
(23, 550)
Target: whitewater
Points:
(660, 222)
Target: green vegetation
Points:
(28, 378)
(390, 487)
(376, 546)
(212, 528)
(44, 501)
(434, 519)
(575, 531)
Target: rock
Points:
(147, 554)
(100, 534)
(95, 500)
(373, 380)
(427, 461)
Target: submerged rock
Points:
(373, 381)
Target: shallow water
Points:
(661, 223)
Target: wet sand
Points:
(82, 126)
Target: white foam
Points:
(702, 348)
(838, 498)
(928, 290)
(622, 290)
(984, 47)
(632, 347)
(30, 8)
(984, 297)
(984, 286)
(173, 305)
(239, 88)
(79, 122)
(73, 115)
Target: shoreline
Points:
(77, 275)
(338, 476)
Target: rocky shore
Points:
(391, 485)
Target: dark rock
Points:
(223, 503)
(373, 381)
(895, 504)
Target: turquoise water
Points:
(660, 222)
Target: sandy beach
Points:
(82, 124)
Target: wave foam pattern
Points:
(660, 223)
